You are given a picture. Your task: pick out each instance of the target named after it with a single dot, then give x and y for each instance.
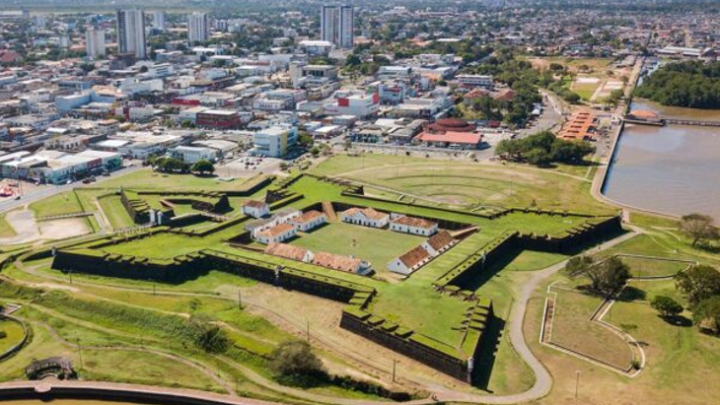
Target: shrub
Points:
(3, 334)
(296, 358)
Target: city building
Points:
(471, 81)
(131, 32)
(95, 42)
(360, 105)
(275, 141)
(193, 154)
(218, 119)
(337, 25)
(198, 30)
(159, 20)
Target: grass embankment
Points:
(58, 204)
(467, 184)
(6, 230)
(147, 179)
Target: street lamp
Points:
(577, 383)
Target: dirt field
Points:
(63, 228)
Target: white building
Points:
(309, 221)
(95, 42)
(131, 32)
(413, 226)
(193, 154)
(412, 260)
(360, 105)
(365, 217)
(159, 20)
(256, 209)
(439, 243)
(314, 47)
(277, 234)
(337, 25)
(476, 81)
(275, 141)
(198, 30)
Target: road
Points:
(47, 191)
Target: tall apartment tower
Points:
(198, 27)
(159, 20)
(337, 25)
(95, 42)
(131, 32)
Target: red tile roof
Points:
(276, 230)
(286, 251)
(414, 222)
(307, 217)
(440, 240)
(414, 257)
(337, 262)
(452, 137)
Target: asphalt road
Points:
(47, 191)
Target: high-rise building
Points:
(159, 20)
(131, 32)
(337, 25)
(95, 42)
(198, 27)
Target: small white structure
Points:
(276, 234)
(410, 261)
(290, 252)
(414, 226)
(439, 243)
(309, 221)
(286, 215)
(256, 209)
(365, 217)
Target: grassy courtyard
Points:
(378, 246)
(13, 334)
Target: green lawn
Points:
(573, 330)
(378, 246)
(14, 333)
(642, 267)
(63, 203)
(6, 230)
(115, 212)
(147, 179)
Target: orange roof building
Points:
(582, 126)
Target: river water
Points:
(673, 169)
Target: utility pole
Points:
(70, 274)
(395, 362)
(80, 353)
(577, 384)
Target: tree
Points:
(204, 167)
(666, 306)
(706, 314)
(699, 227)
(578, 265)
(605, 277)
(353, 60)
(609, 275)
(698, 283)
(296, 358)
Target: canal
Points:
(673, 169)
